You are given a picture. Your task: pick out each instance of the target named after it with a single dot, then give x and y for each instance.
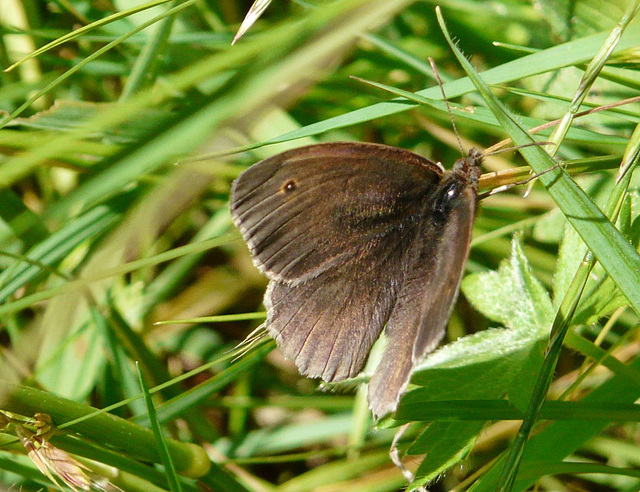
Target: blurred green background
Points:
(122, 129)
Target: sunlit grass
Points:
(116, 244)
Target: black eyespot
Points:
(289, 186)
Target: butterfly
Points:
(356, 238)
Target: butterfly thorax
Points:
(463, 176)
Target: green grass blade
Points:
(161, 443)
(567, 54)
(612, 250)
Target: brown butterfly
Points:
(355, 237)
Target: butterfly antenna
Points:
(498, 148)
(446, 101)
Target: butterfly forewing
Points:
(308, 210)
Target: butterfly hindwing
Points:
(328, 324)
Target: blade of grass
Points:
(88, 226)
(84, 29)
(465, 410)
(574, 293)
(559, 439)
(161, 443)
(612, 250)
(567, 54)
(113, 458)
(553, 468)
(116, 42)
(26, 301)
(190, 460)
(21, 165)
(174, 407)
(222, 318)
(587, 219)
(482, 115)
(256, 10)
(143, 71)
(12, 209)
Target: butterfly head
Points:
(467, 168)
